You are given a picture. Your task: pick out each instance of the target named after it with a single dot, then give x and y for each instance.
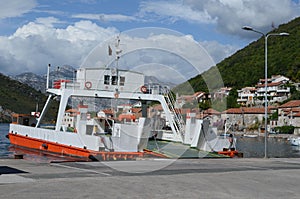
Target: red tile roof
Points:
(211, 111)
(71, 111)
(291, 109)
(270, 84)
(297, 115)
(244, 110)
(290, 104)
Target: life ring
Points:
(144, 89)
(88, 85)
(116, 95)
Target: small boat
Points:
(294, 141)
(250, 135)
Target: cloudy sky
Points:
(34, 33)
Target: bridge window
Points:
(122, 80)
(114, 80)
(106, 79)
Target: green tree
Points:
(232, 99)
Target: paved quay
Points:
(152, 178)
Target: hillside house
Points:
(246, 96)
(245, 117)
(69, 118)
(277, 89)
(222, 93)
(289, 114)
(192, 99)
(213, 115)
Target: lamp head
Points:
(247, 28)
(284, 34)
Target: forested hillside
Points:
(246, 66)
(17, 97)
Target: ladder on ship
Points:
(176, 120)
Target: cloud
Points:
(37, 44)
(106, 17)
(16, 8)
(218, 51)
(229, 16)
(169, 55)
(232, 15)
(48, 21)
(175, 11)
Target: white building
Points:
(222, 92)
(277, 91)
(246, 96)
(289, 114)
(69, 118)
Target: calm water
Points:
(277, 147)
(4, 142)
(251, 147)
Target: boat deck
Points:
(176, 150)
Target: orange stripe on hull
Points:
(229, 153)
(52, 147)
(47, 146)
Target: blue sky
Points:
(34, 33)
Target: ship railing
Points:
(156, 89)
(103, 85)
(177, 118)
(65, 83)
(100, 85)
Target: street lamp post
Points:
(248, 28)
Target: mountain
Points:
(35, 81)
(64, 72)
(246, 66)
(38, 82)
(17, 97)
(154, 80)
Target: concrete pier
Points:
(152, 178)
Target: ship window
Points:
(122, 81)
(106, 79)
(114, 80)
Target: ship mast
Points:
(115, 72)
(118, 51)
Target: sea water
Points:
(277, 147)
(4, 142)
(251, 147)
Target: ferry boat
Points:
(103, 138)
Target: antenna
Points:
(118, 50)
